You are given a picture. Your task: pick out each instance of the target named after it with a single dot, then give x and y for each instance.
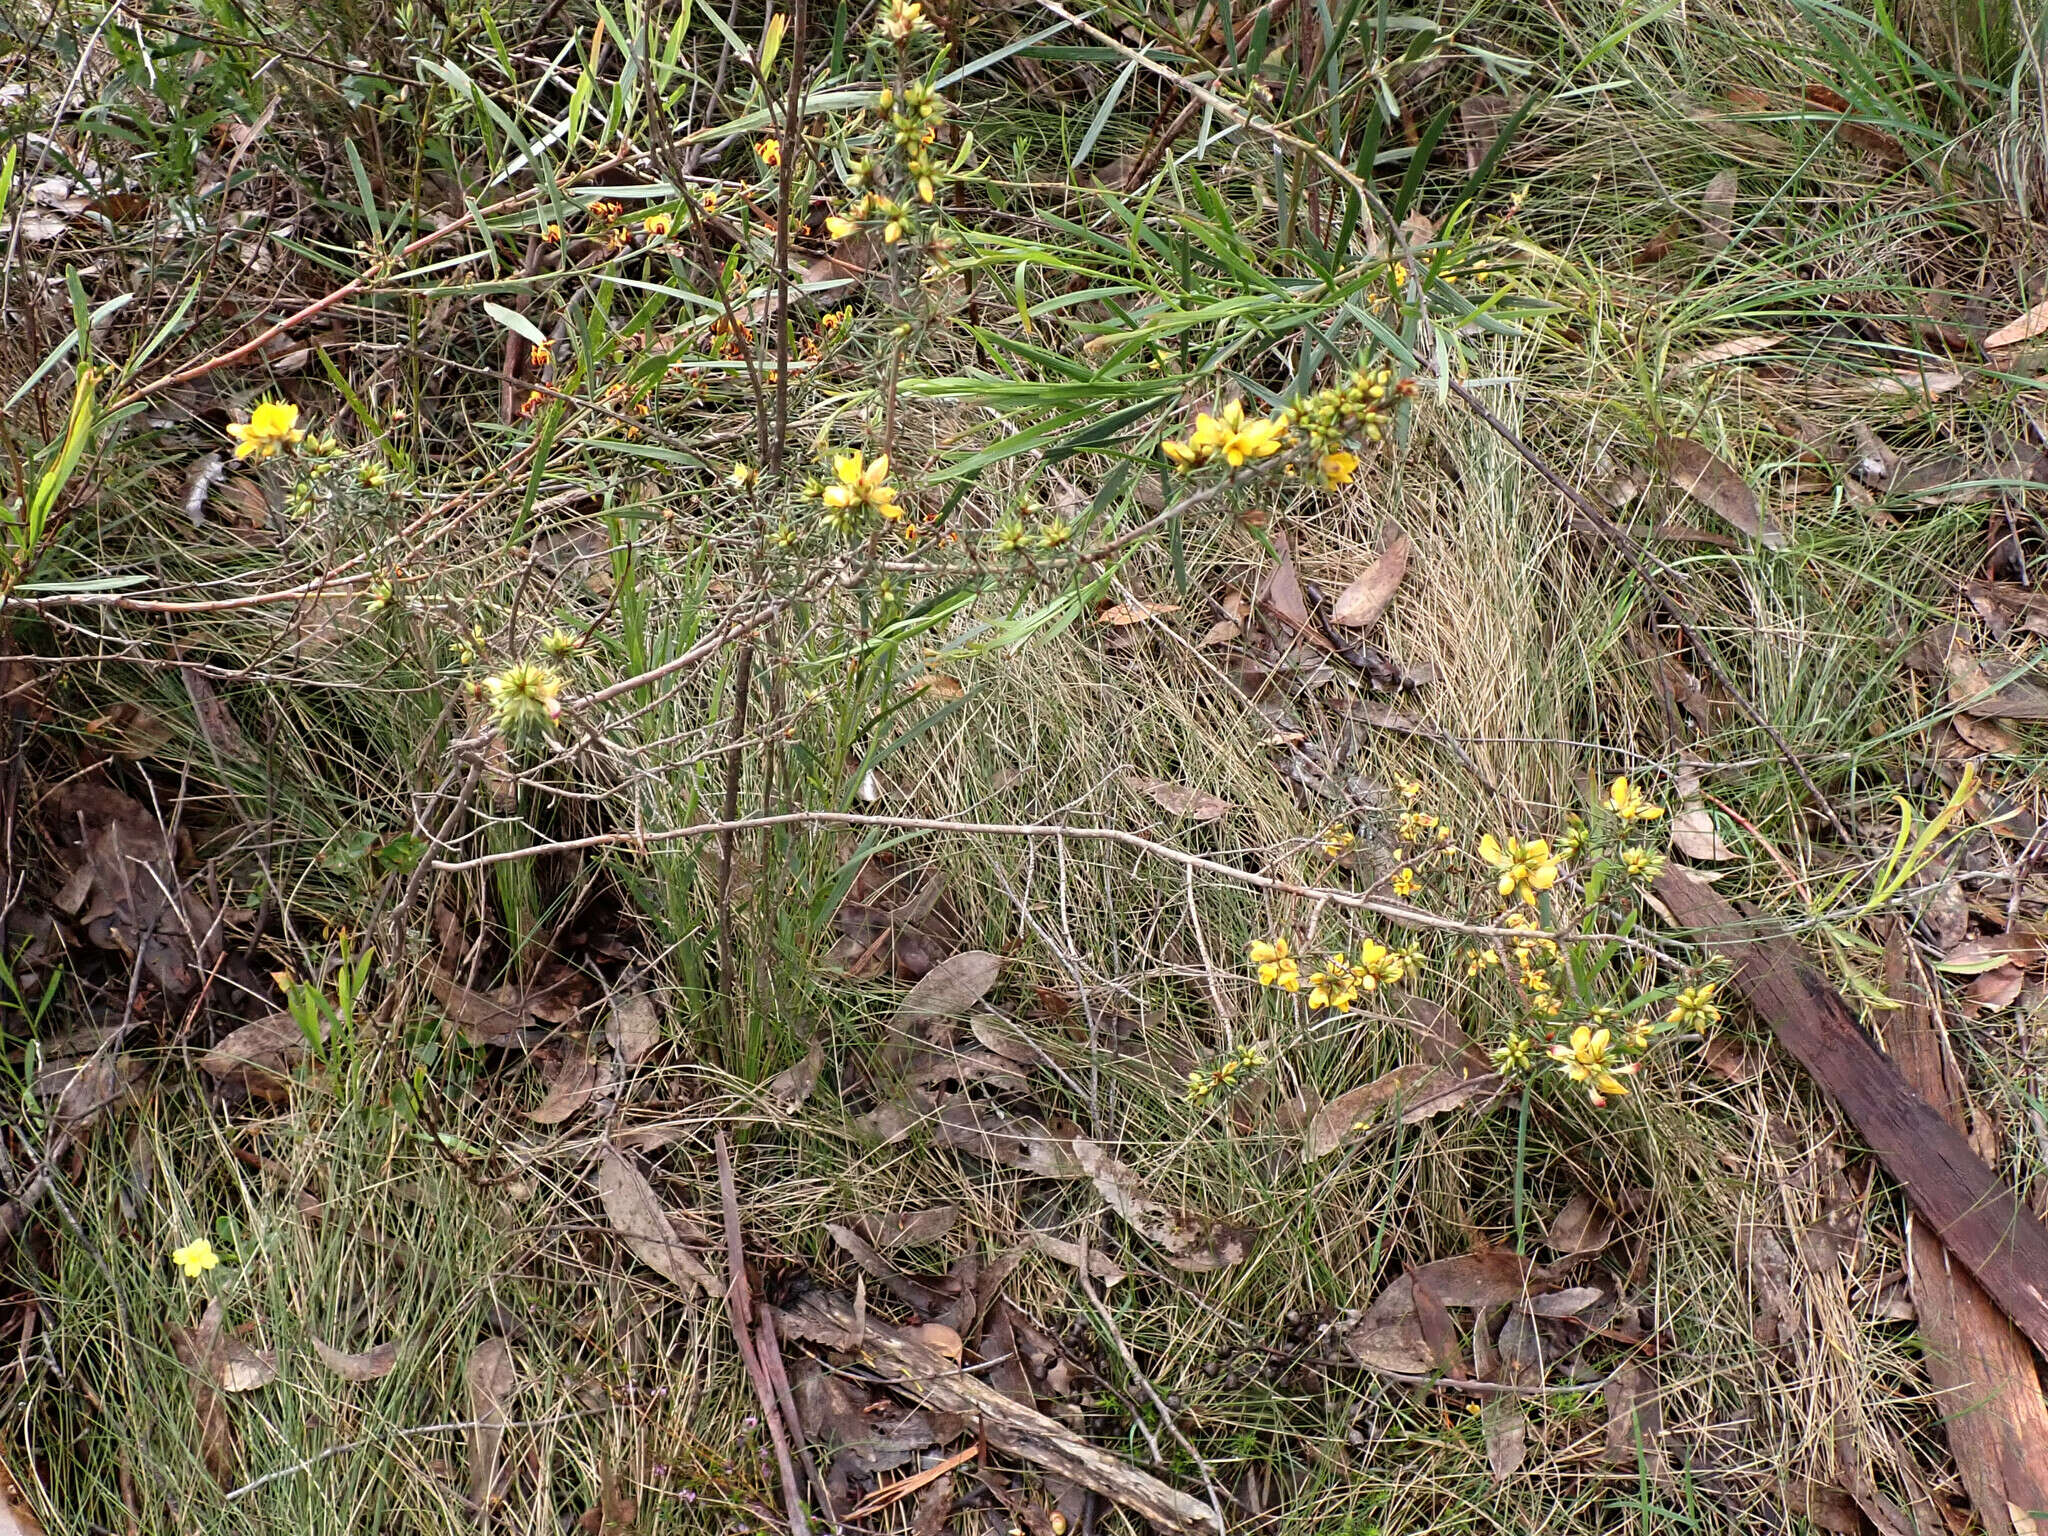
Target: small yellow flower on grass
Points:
(1338, 841)
(1525, 867)
(1414, 826)
(561, 643)
(1409, 788)
(658, 226)
(1276, 964)
(860, 482)
(1640, 863)
(1333, 987)
(1629, 803)
(1054, 533)
(272, 425)
(743, 475)
(1477, 960)
(839, 227)
(1586, 1061)
(770, 151)
(195, 1258)
(1378, 966)
(551, 234)
(1640, 1035)
(524, 696)
(1693, 1007)
(1405, 883)
(1338, 468)
(902, 19)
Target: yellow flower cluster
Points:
(1420, 826)
(1629, 803)
(1329, 417)
(1203, 1085)
(1232, 436)
(1338, 841)
(1588, 1061)
(1694, 1007)
(858, 482)
(272, 426)
(1640, 863)
(526, 696)
(1524, 867)
(1338, 985)
(1276, 963)
(903, 20)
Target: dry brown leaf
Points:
(1013, 1141)
(17, 1517)
(1222, 632)
(1732, 350)
(1195, 804)
(490, 1376)
(2025, 328)
(1192, 1241)
(196, 1348)
(260, 1056)
(940, 686)
(1634, 1422)
(1489, 1278)
(1282, 596)
(1996, 989)
(1695, 834)
(1006, 1038)
(1973, 689)
(1982, 735)
(1717, 211)
(484, 1018)
(907, 1229)
(636, 1023)
(1580, 1228)
(370, 1365)
(1389, 1336)
(633, 1210)
(1362, 604)
(570, 1086)
(1695, 470)
(1417, 1092)
(1121, 615)
(1058, 1248)
(788, 1089)
(949, 989)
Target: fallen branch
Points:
(740, 1302)
(1976, 1215)
(918, 1371)
(1989, 1392)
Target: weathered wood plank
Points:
(1975, 1214)
(1989, 1391)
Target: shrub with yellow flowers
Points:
(1315, 433)
(1581, 1008)
(895, 167)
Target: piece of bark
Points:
(1988, 1390)
(923, 1374)
(1974, 1212)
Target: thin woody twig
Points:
(1395, 911)
(740, 1303)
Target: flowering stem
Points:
(1521, 1167)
